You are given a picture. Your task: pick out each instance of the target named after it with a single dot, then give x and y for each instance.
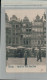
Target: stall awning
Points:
(20, 47)
(10, 47)
(29, 48)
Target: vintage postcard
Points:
(23, 53)
(25, 40)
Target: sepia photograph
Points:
(25, 39)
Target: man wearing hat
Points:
(25, 54)
(39, 55)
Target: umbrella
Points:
(13, 48)
(36, 48)
(43, 48)
(8, 47)
(20, 47)
(29, 48)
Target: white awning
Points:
(43, 47)
(10, 47)
(13, 48)
(29, 48)
(20, 47)
(36, 48)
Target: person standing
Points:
(25, 57)
(39, 55)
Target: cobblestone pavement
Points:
(21, 61)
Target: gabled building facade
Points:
(26, 33)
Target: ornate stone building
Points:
(37, 32)
(26, 33)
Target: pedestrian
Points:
(39, 55)
(25, 57)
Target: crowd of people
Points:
(39, 56)
(25, 54)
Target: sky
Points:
(21, 13)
